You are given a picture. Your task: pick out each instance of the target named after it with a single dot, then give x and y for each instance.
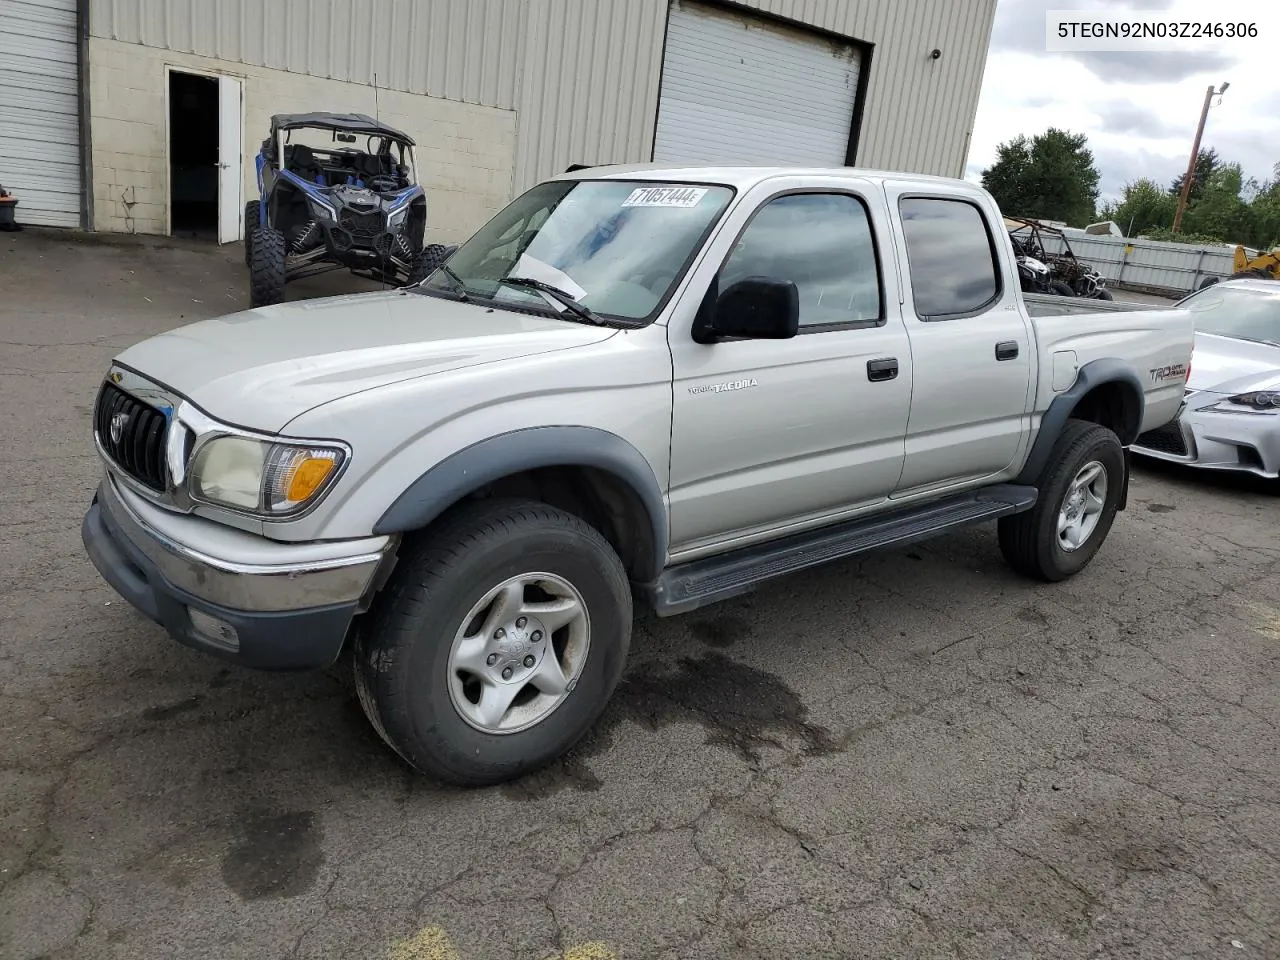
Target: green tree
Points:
(1144, 205)
(1207, 161)
(1048, 177)
(1265, 207)
(1220, 212)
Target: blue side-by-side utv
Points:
(336, 190)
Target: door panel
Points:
(769, 433)
(230, 161)
(971, 347)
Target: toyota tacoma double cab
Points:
(635, 386)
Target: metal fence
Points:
(1150, 266)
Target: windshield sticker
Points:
(665, 197)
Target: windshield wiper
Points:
(456, 286)
(569, 303)
(459, 287)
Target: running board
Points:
(695, 584)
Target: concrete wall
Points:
(466, 152)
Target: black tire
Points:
(402, 649)
(1104, 294)
(432, 255)
(1029, 540)
(252, 211)
(1207, 282)
(266, 267)
(1061, 289)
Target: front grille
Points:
(137, 443)
(361, 226)
(1167, 439)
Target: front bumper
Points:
(277, 607)
(370, 248)
(1213, 440)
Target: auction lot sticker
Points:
(665, 197)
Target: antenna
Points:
(376, 115)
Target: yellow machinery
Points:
(1263, 265)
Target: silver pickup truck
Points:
(632, 385)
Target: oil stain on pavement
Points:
(741, 708)
(720, 632)
(278, 855)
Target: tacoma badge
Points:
(721, 387)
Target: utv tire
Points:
(1061, 289)
(433, 647)
(252, 212)
(1104, 294)
(266, 267)
(432, 255)
(1035, 543)
(1207, 282)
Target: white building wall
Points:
(589, 83)
(581, 75)
(466, 50)
(465, 153)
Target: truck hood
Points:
(1229, 365)
(261, 368)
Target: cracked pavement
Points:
(913, 754)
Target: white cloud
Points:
(1139, 110)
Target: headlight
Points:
(320, 211)
(265, 479)
(397, 218)
(1258, 401)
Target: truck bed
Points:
(1049, 305)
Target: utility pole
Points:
(1195, 155)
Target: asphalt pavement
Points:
(912, 755)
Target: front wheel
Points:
(497, 643)
(266, 267)
(252, 220)
(1104, 294)
(1080, 488)
(1061, 289)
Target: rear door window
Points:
(951, 257)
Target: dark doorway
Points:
(193, 155)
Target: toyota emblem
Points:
(118, 422)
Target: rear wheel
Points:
(1080, 488)
(252, 212)
(1061, 289)
(497, 643)
(1104, 294)
(426, 263)
(266, 267)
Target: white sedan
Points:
(1230, 418)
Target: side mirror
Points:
(756, 308)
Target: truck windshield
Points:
(617, 247)
(1243, 313)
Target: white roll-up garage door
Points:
(741, 89)
(39, 110)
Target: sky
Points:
(1138, 109)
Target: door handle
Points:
(883, 369)
(1006, 349)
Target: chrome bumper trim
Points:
(251, 587)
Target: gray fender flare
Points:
(1093, 374)
(496, 457)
